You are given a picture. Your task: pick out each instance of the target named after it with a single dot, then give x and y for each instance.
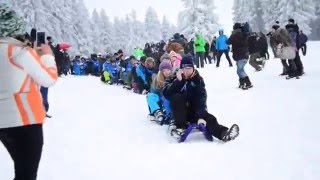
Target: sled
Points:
(192, 127)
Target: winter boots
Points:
(245, 83)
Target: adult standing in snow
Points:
(239, 43)
(22, 113)
(213, 48)
(188, 100)
(199, 46)
(222, 47)
(293, 30)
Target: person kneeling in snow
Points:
(156, 101)
(188, 100)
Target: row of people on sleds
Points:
(176, 95)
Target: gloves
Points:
(123, 69)
(202, 121)
(197, 44)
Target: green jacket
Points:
(199, 44)
(138, 53)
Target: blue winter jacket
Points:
(221, 43)
(145, 74)
(113, 70)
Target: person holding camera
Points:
(22, 71)
(240, 49)
(188, 100)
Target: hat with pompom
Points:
(11, 24)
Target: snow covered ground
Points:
(100, 132)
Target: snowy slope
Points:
(100, 132)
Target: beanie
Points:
(10, 23)
(165, 65)
(291, 20)
(187, 61)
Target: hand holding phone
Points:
(41, 38)
(179, 74)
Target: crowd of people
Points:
(165, 72)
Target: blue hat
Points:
(187, 61)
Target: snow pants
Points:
(181, 115)
(155, 102)
(200, 59)
(226, 52)
(24, 145)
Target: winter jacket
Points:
(239, 43)
(293, 30)
(191, 47)
(221, 43)
(138, 53)
(193, 89)
(253, 44)
(113, 70)
(145, 75)
(213, 45)
(22, 72)
(199, 44)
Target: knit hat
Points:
(237, 26)
(10, 23)
(291, 20)
(187, 62)
(165, 65)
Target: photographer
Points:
(240, 49)
(22, 112)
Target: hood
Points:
(221, 32)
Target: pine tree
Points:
(107, 32)
(165, 29)
(198, 17)
(96, 32)
(315, 24)
(120, 36)
(302, 11)
(152, 25)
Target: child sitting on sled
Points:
(159, 106)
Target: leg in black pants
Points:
(181, 116)
(214, 127)
(179, 109)
(197, 59)
(226, 52)
(219, 58)
(24, 145)
(299, 64)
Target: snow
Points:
(101, 132)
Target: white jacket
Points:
(22, 71)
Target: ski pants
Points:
(24, 145)
(253, 60)
(200, 57)
(226, 52)
(155, 102)
(181, 115)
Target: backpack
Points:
(303, 39)
(246, 28)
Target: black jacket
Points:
(253, 44)
(239, 43)
(193, 89)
